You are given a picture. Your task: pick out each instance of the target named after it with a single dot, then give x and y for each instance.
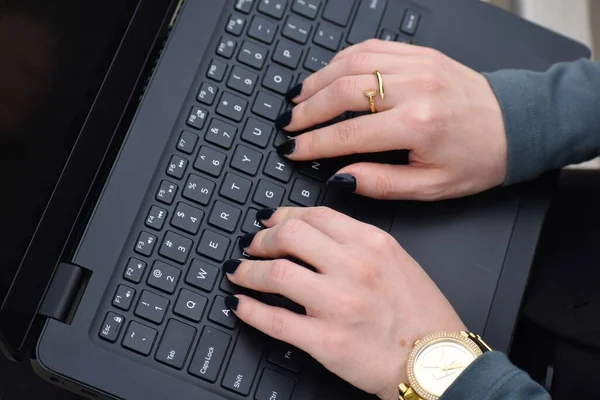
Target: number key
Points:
(232, 107)
(220, 133)
(210, 161)
(151, 307)
(187, 218)
(175, 247)
(198, 189)
(207, 93)
(242, 80)
(252, 54)
(164, 277)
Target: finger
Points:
(282, 277)
(395, 182)
(298, 239)
(365, 134)
(296, 329)
(379, 46)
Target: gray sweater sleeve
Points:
(552, 118)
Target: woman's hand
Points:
(366, 304)
(443, 112)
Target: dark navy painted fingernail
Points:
(265, 214)
(294, 92)
(286, 148)
(231, 266)
(232, 302)
(246, 240)
(283, 120)
(345, 182)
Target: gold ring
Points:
(370, 94)
(380, 84)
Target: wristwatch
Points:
(436, 361)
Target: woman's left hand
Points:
(366, 304)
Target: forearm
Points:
(493, 377)
(552, 118)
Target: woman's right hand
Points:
(444, 113)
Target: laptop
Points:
(124, 125)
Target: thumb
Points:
(390, 182)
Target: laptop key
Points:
(317, 58)
(139, 338)
(210, 354)
(175, 344)
(207, 93)
(198, 189)
(123, 297)
(278, 167)
(257, 132)
(232, 107)
(236, 24)
(163, 277)
(338, 11)
(220, 133)
(410, 22)
(244, 5)
(213, 245)
(320, 169)
(134, 271)
(166, 192)
(388, 35)
(216, 70)
(151, 307)
(302, 76)
(111, 327)
(304, 193)
(225, 48)
(307, 8)
(367, 20)
(287, 54)
(246, 160)
(175, 247)
(221, 314)
(202, 275)
(278, 79)
(251, 224)
(252, 54)
(297, 29)
(187, 142)
(262, 30)
(273, 382)
(197, 118)
(145, 243)
(242, 80)
(235, 188)
(190, 305)
(177, 167)
(268, 194)
(273, 8)
(187, 218)
(244, 362)
(286, 356)
(156, 218)
(224, 216)
(210, 161)
(328, 36)
(267, 106)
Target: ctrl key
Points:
(111, 327)
(274, 385)
(210, 354)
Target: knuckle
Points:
(343, 87)
(277, 326)
(278, 273)
(429, 80)
(424, 116)
(346, 133)
(380, 240)
(289, 229)
(319, 213)
(370, 276)
(384, 187)
(433, 191)
(358, 62)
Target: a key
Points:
(139, 338)
(287, 54)
(410, 22)
(156, 218)
(210, 161)
(198, 189)
(267, 106)
(236, 24)
(187, 142)
(175, 344)
(221, 314)
(220, 133)
(197, 117)
(134, 270)
(210, 354)
(235, 188)
(225, 48)
(224, 216)
(317, 58)
(320, 169)
(190, 305)
(274, 382)
(297, 29)
(163, 276)
(286, 356)
(307, 8)
(246, 160)
(232, 107)
(388, 35)
(151, 307)
(175, 247)
(123, 297)
(367, 20)
(187, 218)
(278, 167)
(177, 167)
(216, 70)
(304, 193)
(328, 36)
(338, 11)
(207, 93)
(244, 5)
(145, 243)
(278, 79)
(273, 8)
(252, 54)
(166, 192)
(213, 245)
(202, 275)
(257, 132)
(242, 80)
(244, 362)
(251, 224)
(111, 327)
(268, 194)
(262, 30)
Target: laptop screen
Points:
(53, 56)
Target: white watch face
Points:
(438, 365)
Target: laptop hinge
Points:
(64, 292)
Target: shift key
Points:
(368, 18)
(244, 363)
(210, 354)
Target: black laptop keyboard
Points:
(167, 303)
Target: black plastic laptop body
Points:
(98, 286)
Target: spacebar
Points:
(367, 20)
